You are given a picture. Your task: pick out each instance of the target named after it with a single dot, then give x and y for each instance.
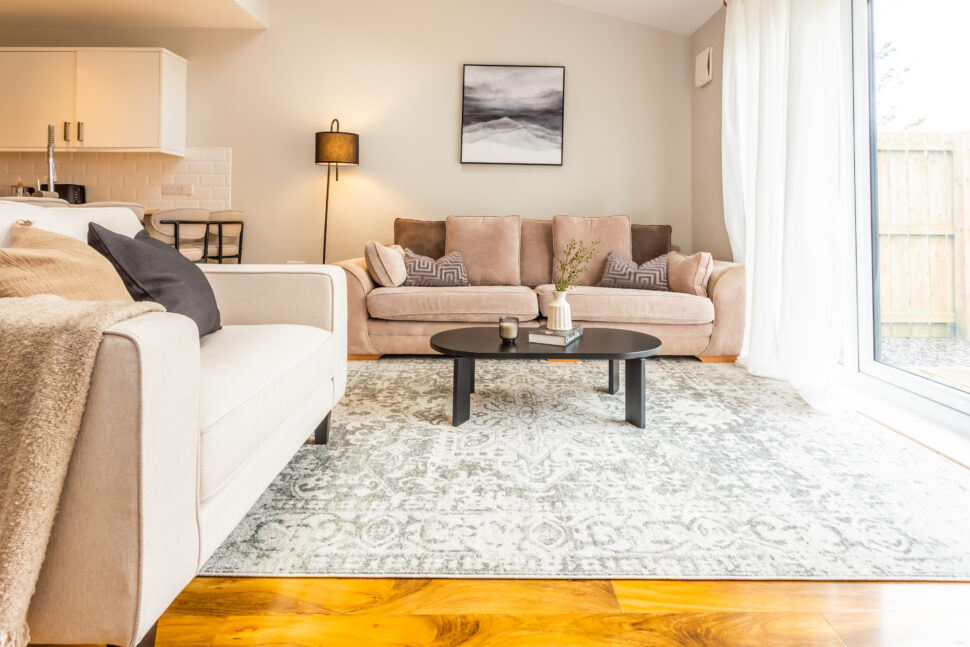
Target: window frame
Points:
(859, 17)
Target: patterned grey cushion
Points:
(622, 272)
(446, 272)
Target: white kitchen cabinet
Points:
(38, 89)
(120, 99)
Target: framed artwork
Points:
(512, 114)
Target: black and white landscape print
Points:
(512, 114)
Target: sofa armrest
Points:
(126, 538)
(726, 288)
(311, 295)
(359, 285)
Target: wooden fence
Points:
(924, 234)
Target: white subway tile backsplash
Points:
(131, 177)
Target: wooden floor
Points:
(510, 613)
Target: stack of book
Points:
(543, 335)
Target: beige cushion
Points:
(617, 305)
(536, 255)
(252, 378)
(488, 245)
(613, 232)
(385, 264)
(41, 262)
(689, 274)
(471, 303)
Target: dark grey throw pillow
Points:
(621, 272)
(154, 271)
(446, 272)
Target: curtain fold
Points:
(786, 159)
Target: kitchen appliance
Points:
(73, 193)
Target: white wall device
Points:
(704, 67)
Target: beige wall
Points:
(391, 71)
(707, 198)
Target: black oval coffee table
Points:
(466, 345)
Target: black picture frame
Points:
(537, 125)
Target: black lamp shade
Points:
(337, 148)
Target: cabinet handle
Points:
(67, 131)
(80, 131)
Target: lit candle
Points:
(508, 329)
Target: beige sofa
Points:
(178, 440)
(401, 320)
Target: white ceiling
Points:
(678, 16)
(230, 14)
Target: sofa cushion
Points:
(536, 244)
(42, 262)
(650, 241)
(472, 303)
(385, 264)
(623, 272)
(252, 379)
(423, 237)
(423, 271)
(68, 221)
(689, 274)
(154, 271)
(632, 306)
(613, 232)
(489, 247)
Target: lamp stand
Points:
(326, 213)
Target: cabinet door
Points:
(118, 96)
(38, 90)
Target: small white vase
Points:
(560, 314)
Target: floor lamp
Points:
(334, 149)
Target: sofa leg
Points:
(717, 359)
(149, 639)
(322, 433)
(362, 358)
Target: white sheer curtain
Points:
(786, 148)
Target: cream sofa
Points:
(180, 437)
(401, 320)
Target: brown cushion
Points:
(536, 255)
(423, 237)
(650, 241)
(613, 232)
(483, 303)
(489, 247)
(41, 262)
(631, 306)
(689, 274)
(385, 264)
(447, 271)
(622, 272)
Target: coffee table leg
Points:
(472, 371)
(636, 413)
(461, 390)
(614, 376)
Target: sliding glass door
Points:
(915, 247)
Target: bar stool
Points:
(185, 229)
(225, 235)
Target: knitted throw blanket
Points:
(47, 351)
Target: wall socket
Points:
(177, 189)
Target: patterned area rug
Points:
(734, 477)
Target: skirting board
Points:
(361, 358)
(718, 359)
